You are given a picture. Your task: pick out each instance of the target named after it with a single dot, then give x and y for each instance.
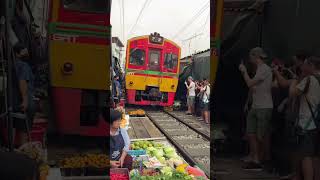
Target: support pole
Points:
(9, 80)
(216, 25)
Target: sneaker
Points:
(252, 166)
(286, 177)
(247, 159)
(268, 166)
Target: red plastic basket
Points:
(37, 134)
(44, 125)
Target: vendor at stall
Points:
(119, 143)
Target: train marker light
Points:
(67, 68)
(130, 83)
(172, 87)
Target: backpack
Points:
(204, 92)
(315, 115)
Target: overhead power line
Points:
(204, 25)
(207, 5)
(123, 24)
(147, 2)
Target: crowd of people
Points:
(198, 98)
(284, 113)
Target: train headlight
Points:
(67, 68)
(130, 83)
(172, 87)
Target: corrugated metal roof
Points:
(201, 52)
(117, 41)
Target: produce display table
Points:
(159, 159)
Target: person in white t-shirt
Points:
(260, 115)
(191, 87)
(205, 89)
(308, 90)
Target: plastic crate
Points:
(37, 134)
(43, 122)
(123, 171)
(137, 152)
(92, 171)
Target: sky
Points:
(177, 20)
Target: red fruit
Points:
(195, 172)
(114, 176)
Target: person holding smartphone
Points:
(191, 88)
(260, 115)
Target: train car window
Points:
(171, 61)
(137, 57)
(93, 6)
(154, 60)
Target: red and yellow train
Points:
(152, 70)
(80, 53)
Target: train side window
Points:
(96, 6)
(171, 61)
(154, 60)
(137, 57)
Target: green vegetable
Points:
(162, 159)
(158, 153)
(171, 155)
(168, 150)
(151, 149)
(166, 171)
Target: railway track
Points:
(191, 139)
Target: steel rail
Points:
(189, 126)
(180, 149)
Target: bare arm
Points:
(250, 82)
(281, 80)
(294, 91)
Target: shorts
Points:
(258, 122)
(190, 100)
(204, 106)
(20, 124)
(307, 144)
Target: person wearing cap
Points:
(119, 142)
(260, 115)
(191, 87)
(308, 90)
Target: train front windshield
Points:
(154, 60)
(92, 6)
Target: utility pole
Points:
(190, 38)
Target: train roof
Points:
(147, 36)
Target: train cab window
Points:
(171, 61)
(93, 6)
(154, 60)
(137, 57)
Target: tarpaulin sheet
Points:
(198, 69)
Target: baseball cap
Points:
(258, 51)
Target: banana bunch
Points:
(138, 112)
(88, 160)
(44, 169)
(97, 160)
(32, 150)
(73, 162)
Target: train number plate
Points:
(59, 37)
